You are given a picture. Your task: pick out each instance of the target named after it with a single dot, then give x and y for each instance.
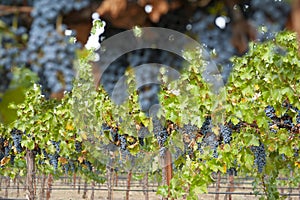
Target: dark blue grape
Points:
(53, 158)
(206, 126)
(270, 112)
(56, 145)
(17, 137)
(226, 133)
(78, 146)
(259, 156)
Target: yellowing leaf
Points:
(80, 159)
(224, 168)
(84, 151)
(297, 164)
(4, 161)
(69, 127)
(83, 136)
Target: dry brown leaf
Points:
(133, 15)
(242, 32)
(62, 160)
(112, 7)
(160, 7)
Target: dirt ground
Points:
(62, 190)
(117, 195)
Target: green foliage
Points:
(266, 75)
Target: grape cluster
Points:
(285, 121)
(189, 134)
(88, 164)
(78, 146)
(270, 14)
(50, 52)
(226, 133)
(17, 137)
(259, 156)
(123, 147)
(270, 112)
(56, 145)
(10, 55)
(206, 126)
(209, 138)
(189, 129)
(159, 131)
(214, 39)
(53, 158)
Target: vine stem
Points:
(6, 10)
(59, 22)
(264, 185)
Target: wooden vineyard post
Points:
(42, 194)
(166, 162)
(164, 154)
(129, 176)
(49, 186)
(93, 191)
(116, 178)
(30, 177)
(18, 186)
(231, 187)
(290, 187)
(79, 182)
(218, 186)
(74, 180)
(84, 196)
(109, 174)
(7, 183)
(145, 186)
